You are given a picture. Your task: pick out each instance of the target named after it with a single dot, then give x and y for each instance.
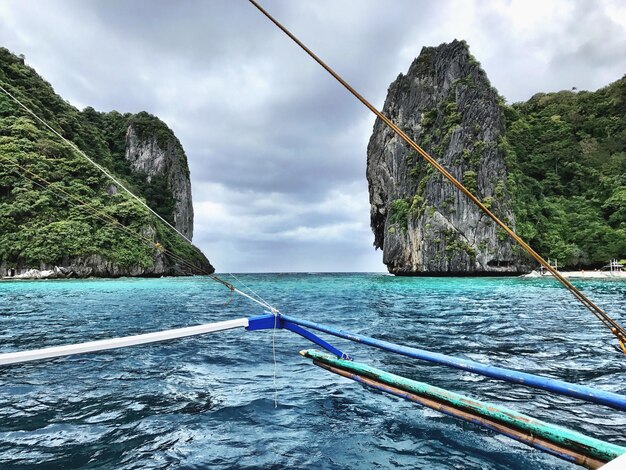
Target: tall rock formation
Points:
(156, 152)
(423, 224)
(60, 216)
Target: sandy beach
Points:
(620, 275)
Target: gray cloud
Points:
(276, 147)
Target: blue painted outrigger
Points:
(270, 321)
(558, 441)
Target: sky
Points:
(277, 148)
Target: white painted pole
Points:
(101, 345)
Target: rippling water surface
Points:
(208, 402)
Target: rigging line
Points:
(103, 170)
(99, 167)
(234, 289)
(106, 218)
(252, 291)
(616, 329)
(85, 205)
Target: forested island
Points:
(554, 168)
(59, 213)
(566, 153)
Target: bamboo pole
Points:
(521, 424)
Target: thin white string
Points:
(102, 169)
(274, 357)
(261, 302)
(267, 304)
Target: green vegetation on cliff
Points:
(42, 181)
(566, 154)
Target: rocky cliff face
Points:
(164, 158)
(63, 217)
(422, 223)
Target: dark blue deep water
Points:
(208, 402)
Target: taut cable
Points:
(84, 205)
(615, 328)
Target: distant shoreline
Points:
(582, 274)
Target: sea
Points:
(239, 399)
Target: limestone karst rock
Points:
(164, 158)
(423, 224)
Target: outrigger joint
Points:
(270, 321)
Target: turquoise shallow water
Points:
(208, 402)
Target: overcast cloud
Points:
(277, 149)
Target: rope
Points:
(106, 218)
(274, 358)
(615, 328)
(99, 167)
(111, 220)
(253, 292)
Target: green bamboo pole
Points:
(558, 435)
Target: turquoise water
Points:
(208, 402)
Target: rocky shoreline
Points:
(65, 273)
(97, 266)
(60, 272)
(55, 273)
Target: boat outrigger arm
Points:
(558, 441)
